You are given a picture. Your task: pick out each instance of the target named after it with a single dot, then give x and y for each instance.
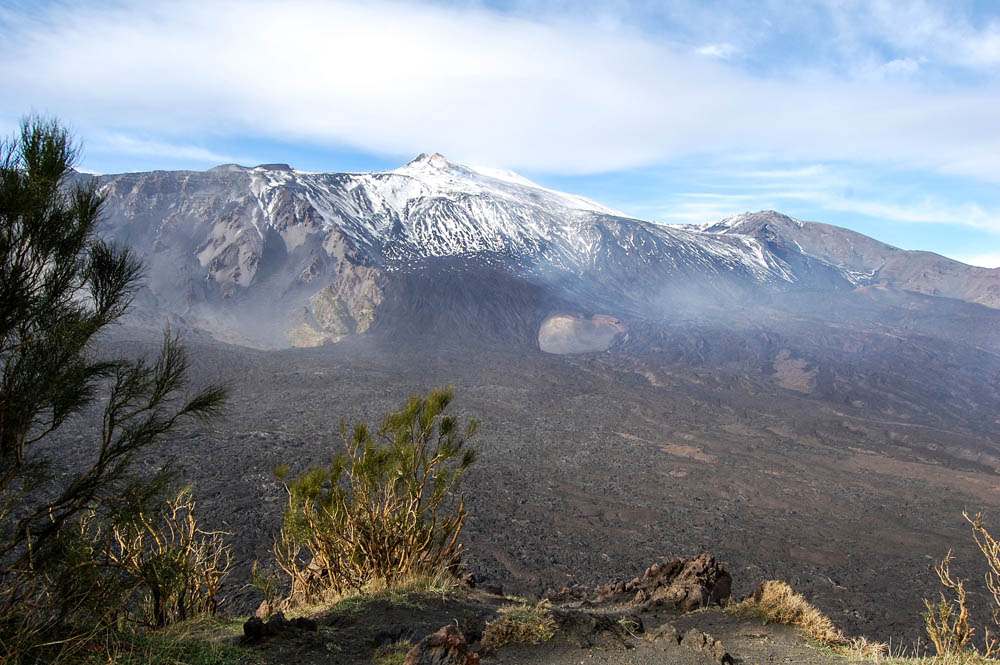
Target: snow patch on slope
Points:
(431, 207)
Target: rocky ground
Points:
(671, 614)
(590, 466)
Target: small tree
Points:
(387, 507)
(59, 288)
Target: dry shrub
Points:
(386, 509)
(177, 567)
(990, 548)
(861, 648)
(777, 602)
(149, 568)
(522, 624)
(947, 621)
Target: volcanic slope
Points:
(592, 465)
(803, 401)
(272, 257)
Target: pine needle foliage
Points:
(387, 508)
(60, 287)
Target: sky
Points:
(880, 116)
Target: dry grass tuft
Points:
(525, 624)
(777, 602)
(441, 583)
(970, 658)
(392, 654)
(863, 649)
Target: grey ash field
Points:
(593, 466)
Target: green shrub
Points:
(386, 509)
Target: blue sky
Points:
(879, 116)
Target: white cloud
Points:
(724, 50)
(128, 145)
(818, 187)
(545, 93)
(813, 171)
(901, 67)
(701, 207)
(926, 212)
(935, 29)
(988, 260)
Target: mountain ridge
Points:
(314, 254)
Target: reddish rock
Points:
(445, 647)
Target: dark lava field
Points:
(848, 483)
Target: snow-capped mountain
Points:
(272, 256)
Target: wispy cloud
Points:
(935, 29)
(725, 190)
(129, 145)
(812, 171)
(724, 50)
(542, 91)
(697, 208)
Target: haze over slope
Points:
(273, 257)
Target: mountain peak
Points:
(744, 221)
(434, 161)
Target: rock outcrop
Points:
(256, 629)
(445, 647)
(704, 643)
(686, 584)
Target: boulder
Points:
(602, 630)
(256, 629)
(445, 647)
(704, 643)
(666, 632)
(687, 584)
